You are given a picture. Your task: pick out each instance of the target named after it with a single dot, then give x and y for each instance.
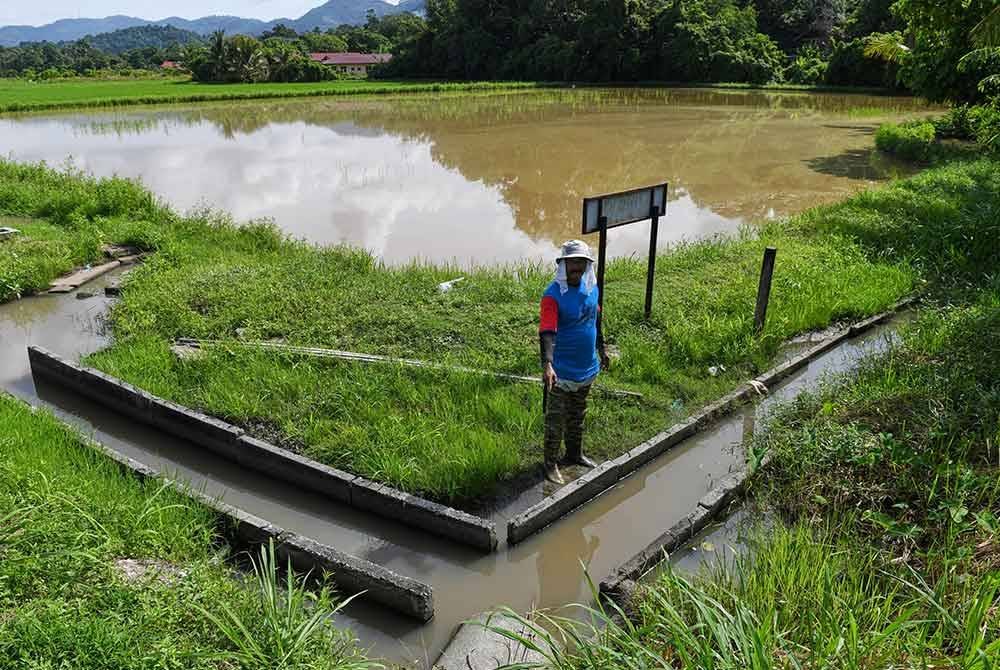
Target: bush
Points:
(913, 141)
(808, 66)
(984, 120)
(974, 123)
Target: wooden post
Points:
(602, 248)
(764, 289)
(654, 214)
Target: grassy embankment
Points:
(101, 570)
(883, 548)
(18, 95)
(454, 436)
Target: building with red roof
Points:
(350, 62)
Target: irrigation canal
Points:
(542, 571)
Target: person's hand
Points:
(549, 376)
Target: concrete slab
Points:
(476, 647)
(81, 277)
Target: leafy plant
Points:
(282, 631)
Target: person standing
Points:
(572, 353)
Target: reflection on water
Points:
(481, 178)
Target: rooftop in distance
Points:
(350, 58)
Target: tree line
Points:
(755, 41)
(921, 46)
(280, 54)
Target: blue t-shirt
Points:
(575, 357)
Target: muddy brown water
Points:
(543, 571)
(482, 178)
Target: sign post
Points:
(603, 212)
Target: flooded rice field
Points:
(482, 178)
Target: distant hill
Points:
(119, 41)
(329, 15)
(354, 12)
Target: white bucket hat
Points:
(575, 249)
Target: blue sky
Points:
(38, 12)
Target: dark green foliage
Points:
(795, 22)
(848, 66)
(910, 141)
(593, 40)
(714, 40)
(808, 67)
(939, 32)
(244, 59)
(141, 37)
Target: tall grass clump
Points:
(288, 624)
(69, 516)
(65, 218)
(912, 141)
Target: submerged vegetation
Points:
(24, 96)
(101, 570)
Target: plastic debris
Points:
(715, 370)
(758, 387)
(444, 287)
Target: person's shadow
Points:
(560, 573)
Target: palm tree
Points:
(217, 54)
(986, 34)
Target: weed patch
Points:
(67, 516)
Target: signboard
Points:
(618, 209)
(621, 208)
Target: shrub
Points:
(808, 66)
(912, 141)
(976, 123)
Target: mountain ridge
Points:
(328, 15)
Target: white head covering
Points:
(575, 249)
(587, 282)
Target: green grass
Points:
(455, 436)
(458, 437)
(65, 218)
(18, 95)
(881, 550)
(68, 514)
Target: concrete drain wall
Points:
(593, 483)
(230, 442)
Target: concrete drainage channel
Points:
(540, 571)
(595, 482)
(230, 442)
(351, 574)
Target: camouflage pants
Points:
(564, 417)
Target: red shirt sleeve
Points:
(548, 322)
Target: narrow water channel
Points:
(543, 571)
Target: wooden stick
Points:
(375, 358)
